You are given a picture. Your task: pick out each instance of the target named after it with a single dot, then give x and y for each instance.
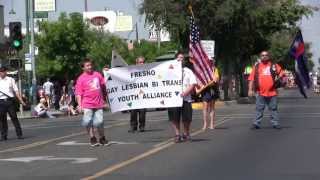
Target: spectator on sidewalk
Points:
(48, 91)
(138, 116)
(41, 109)
(184, 113)
(90, 93)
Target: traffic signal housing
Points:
(16, 38)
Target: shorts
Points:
(185, 112)
(92, 118)
(210, 94)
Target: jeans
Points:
(92, 118)
(134, 118)
(272, 103)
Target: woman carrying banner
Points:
(138, 112)
(209, 97)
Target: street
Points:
(59, 148)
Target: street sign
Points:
(28, 67)
(208, 46)
(42, 15)
(27, 58)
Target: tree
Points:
(63, 45)
(240, 28)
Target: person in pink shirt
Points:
(90, 93)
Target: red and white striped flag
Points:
(203, 68)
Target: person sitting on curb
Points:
(41, 109)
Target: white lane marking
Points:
(75, 143)
(50, 158)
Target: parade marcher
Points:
(209, 96)
(90, 93)
(263, 80)
(138, 112)
(8, 92)
(48, 91)
(183, 113)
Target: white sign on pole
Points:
(44, 5)
(28, 67)
(154, 85)
(208, 46)
(27, 58)
(124, 23)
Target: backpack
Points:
(278, 82)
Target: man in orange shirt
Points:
(262, 82)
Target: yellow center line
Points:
(39, 143)
(148, 153)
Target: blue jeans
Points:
(272, 103)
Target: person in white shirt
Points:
(183, 113)
(48, 91)
(8, 90)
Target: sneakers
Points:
(132, 130)
(254, 126)
(276, 127)
(186, 138)
(94, 142)
(177, 139)
(183, 138)
(141, 129)
(103, 141)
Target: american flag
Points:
(297, 51)
(202, 66)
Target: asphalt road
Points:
(59, 149)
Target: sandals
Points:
(177, 139)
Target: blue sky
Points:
(311, 31)
(310, 26)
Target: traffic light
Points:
(15, 35)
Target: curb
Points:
(198, 105)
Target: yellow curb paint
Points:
(148, 153)
(199, 105)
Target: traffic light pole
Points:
(33, 64)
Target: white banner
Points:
(154, 85)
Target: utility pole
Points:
(85, 5)
(33, 64)
(137, 33)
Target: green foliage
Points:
(241, 29)
(63, 44)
